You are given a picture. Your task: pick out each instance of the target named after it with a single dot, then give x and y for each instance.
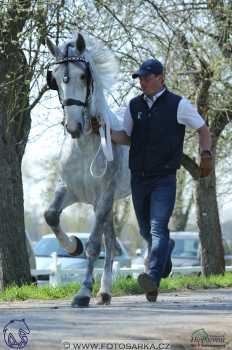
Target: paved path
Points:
(174, 317)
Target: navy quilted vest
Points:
(157, 138)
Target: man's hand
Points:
(95, 125)
(206, 164)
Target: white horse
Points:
(83, 69)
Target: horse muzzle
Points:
(75, 134)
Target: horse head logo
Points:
(15, 334)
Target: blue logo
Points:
(15, 334)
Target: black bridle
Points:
(52, 84)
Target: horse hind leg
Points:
(62, 199)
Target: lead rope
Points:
(106, 141)
(106, 146)
(92, 164)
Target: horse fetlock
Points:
(79, 246)
(93, 249)
(52, 217)
(85, 291)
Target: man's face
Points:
(151, 84)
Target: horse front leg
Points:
(93, 248)
(62, 199)
(104, 294)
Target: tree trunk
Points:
(207, 218)
(209, 226)
(180, 213)
(14, 263)
(14, 129)
(180, 217)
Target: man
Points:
(154, 127)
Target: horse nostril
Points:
(75, 134)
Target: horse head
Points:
(73, 81)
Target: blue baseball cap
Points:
(151, 66)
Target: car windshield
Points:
(185, 248)
(46, 246)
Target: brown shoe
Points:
(149, 286)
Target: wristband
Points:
(206, 152)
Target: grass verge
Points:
(121, 286)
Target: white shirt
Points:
(186, 114)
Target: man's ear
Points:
(161, 78)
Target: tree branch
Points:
(37, 99)
(222, 14)
(219, 123)
(191, 166)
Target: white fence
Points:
(57, 276)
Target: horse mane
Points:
(103, 63)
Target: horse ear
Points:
(80, 44)
(55, 51)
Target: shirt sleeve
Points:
(188, 115)
(128, 121)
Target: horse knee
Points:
(52, 217)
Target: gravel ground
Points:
(129, 321)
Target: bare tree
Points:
(24, 26)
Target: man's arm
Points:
(188, 116)
(117, 136)
(204, 138)
(120, 137)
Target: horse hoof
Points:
(103, 299)
(79, 247)
(80, 301)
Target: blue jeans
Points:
(154, 200)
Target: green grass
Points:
(33, 292)
(121, 286)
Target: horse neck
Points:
(98, 106)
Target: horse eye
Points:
(82, 76)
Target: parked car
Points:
(187, 251)
(49, 244)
